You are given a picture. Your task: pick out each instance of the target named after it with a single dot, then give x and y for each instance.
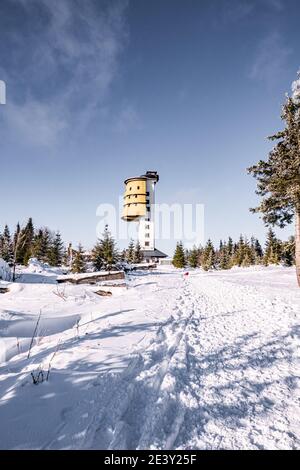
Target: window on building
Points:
(147, 243)
(147, 235)
(136, 196)
(147, 193)
(130, 188)
(147, 219)
(138, 187)
(147, 227)
(148, 209)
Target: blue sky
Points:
(101, 90)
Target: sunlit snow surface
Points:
(205, 361)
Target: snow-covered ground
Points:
(205, 361)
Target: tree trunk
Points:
(297, 242)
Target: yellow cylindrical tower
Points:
(135, 198)
(139, 206)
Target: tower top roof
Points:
(149, 175)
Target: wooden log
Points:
(142, 267)
(103, 293)
(91, 278)
(121, 284)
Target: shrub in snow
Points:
(5, 271)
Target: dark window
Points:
(147, 193)
(130, 188)
(147, 243)
(136, 196)
(148, 208)
(147, 235)
(147, 226)
(147, 219)
(138, 187)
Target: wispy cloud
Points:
(271, 59)
(234, 11)
(72, 62)
(275, 4)
(128, 120)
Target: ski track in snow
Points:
(219, 375)
(221, 372)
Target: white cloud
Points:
(128, 120)
(75, 55)
(276, 4)
(271, 58)
(36, 123)
(234, 11)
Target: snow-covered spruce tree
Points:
(130, 252)
(123, 255)
(25, 252)
(78, 263)
(208, 258)
(110, 254)
(179, 257)
(41, 244)
(37, 245)
(224, 257)
(19, 241)
(6, 246)
(278, 178)
(288, 252)
(249, 255)
(56, 250)
(97, 256)
(230, 247)
(272, 249)
(256, 251)
(193, 257)
(138, 254)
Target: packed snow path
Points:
(220, 372)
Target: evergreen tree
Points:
(249, 255)
(138, 254)
(56, 250)
(27, 234)
(179, 257)
(193, 257)
(272, 249)
(108, 248)
(288, 252)
(123, 255)
(239, 252)
(130, 252)
(230, 248)
(208, 261)
(47, 238)
(278, 181)
(19, 241)
(97, 256)
(37, 245)
(6, 246)
(257, 251)
(224, 256)
(78, 263)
